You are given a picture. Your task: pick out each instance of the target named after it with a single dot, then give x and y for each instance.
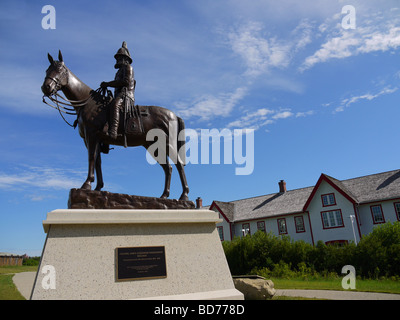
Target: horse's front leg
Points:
(99, 174)
(93, 150)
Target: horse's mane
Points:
(99, 98)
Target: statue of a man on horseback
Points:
(93, 112)
(124, 84)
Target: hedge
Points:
(376, 255)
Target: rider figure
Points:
(124, 85)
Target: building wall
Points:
(347, 231)
(365, 215)
(226, 228)
(316, 208)
(271, 225)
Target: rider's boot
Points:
(113, 130)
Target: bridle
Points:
(61, 105)
(63, 75)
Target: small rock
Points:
(254, 287)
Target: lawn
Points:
(8, 291)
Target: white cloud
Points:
(258, 52)
(337, 47)
(208, 106)
(252, 119)
(381, 41)
(260, 118)
(282, 115)
(262, 52)
(42, 178)
(304, 114)
(349, 101)
(303, 34)
(375, 32)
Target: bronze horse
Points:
(92, 114)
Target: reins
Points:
(60, 106)
(61, 109)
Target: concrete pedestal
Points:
(79, 256)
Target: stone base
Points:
(81, 245)
(91, 199)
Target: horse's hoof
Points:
(86, 186)
(184, 197)
(99, 186)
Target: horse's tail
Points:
(181, 142)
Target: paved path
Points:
(24, 283)
(337, 295)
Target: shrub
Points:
(34, 261)
(376, 255)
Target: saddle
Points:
(131, 121)
(132, 118)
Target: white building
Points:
(332, 211)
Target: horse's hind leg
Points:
(164, 163)
(168, 173)
(179, 165)
(185, 187)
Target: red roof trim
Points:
(331, 183)
(219, 210)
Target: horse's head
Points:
(56, 76)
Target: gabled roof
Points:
(269, 205)
(336, 184)
(225, 208)
(372, 188)
(375, 187)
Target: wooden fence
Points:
(11, 260)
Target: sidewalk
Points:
(337, 295)
(24, 283)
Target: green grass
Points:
(17, 269)
(385, 286)
(8, 291)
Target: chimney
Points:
(199, 203)
(282, 186)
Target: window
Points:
(282, 226)
(328, 200)
(397, 209)
(299, 223)
(245, 229)
(332, 219)
(377, 214)
(261, 226)
(221, 233)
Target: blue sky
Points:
(320, 98)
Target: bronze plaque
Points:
(136, 263)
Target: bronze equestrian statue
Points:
(93, 117)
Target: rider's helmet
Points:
(123, 51)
